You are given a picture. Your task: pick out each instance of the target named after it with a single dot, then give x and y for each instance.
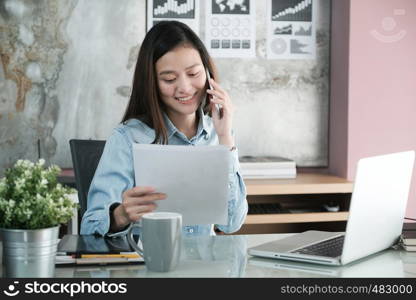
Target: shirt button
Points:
(190, 230)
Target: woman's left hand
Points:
(223, 123)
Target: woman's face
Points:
(181, 78)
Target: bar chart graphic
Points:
(185, 11)
(174, 9)
(292, 10)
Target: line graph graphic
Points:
(292, 10)
(303, 31)
(283, 30)
(174, 9)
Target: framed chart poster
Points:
(291, 29)
(230, 28)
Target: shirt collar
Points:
(202, 124)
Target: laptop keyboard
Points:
(329, 248)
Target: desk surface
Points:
(226, 256)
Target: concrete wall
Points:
(66, 70)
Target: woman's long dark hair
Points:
(145, 103)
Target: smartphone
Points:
(218, 106)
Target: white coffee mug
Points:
(161, 236)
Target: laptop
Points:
(377, 209)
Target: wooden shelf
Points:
(304, 183)
(296, 218)
(294, 193)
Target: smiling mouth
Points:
(185, 99)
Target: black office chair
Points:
(86, 155)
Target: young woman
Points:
(166, 107)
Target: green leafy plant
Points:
(32, 198)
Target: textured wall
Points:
(66, 69)
(32, 48)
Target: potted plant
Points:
(32, 206)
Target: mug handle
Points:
(131, 240)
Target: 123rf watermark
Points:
(71, 289)
(371, 289)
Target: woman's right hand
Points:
(136, 202)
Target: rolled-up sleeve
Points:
(108, 183)
(237, 202)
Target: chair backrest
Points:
(86, 155)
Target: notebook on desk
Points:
(78, 245)
(375, 221)
(95, 250)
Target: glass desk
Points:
(226, 256)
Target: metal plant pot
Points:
(29, 253)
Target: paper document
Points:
(195, 180)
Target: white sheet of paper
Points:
(195, 180)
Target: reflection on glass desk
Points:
(388, 264)
(226, 256)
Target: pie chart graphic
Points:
(278, 46)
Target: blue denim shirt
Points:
(115, 174)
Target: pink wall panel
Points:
(382, 81)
